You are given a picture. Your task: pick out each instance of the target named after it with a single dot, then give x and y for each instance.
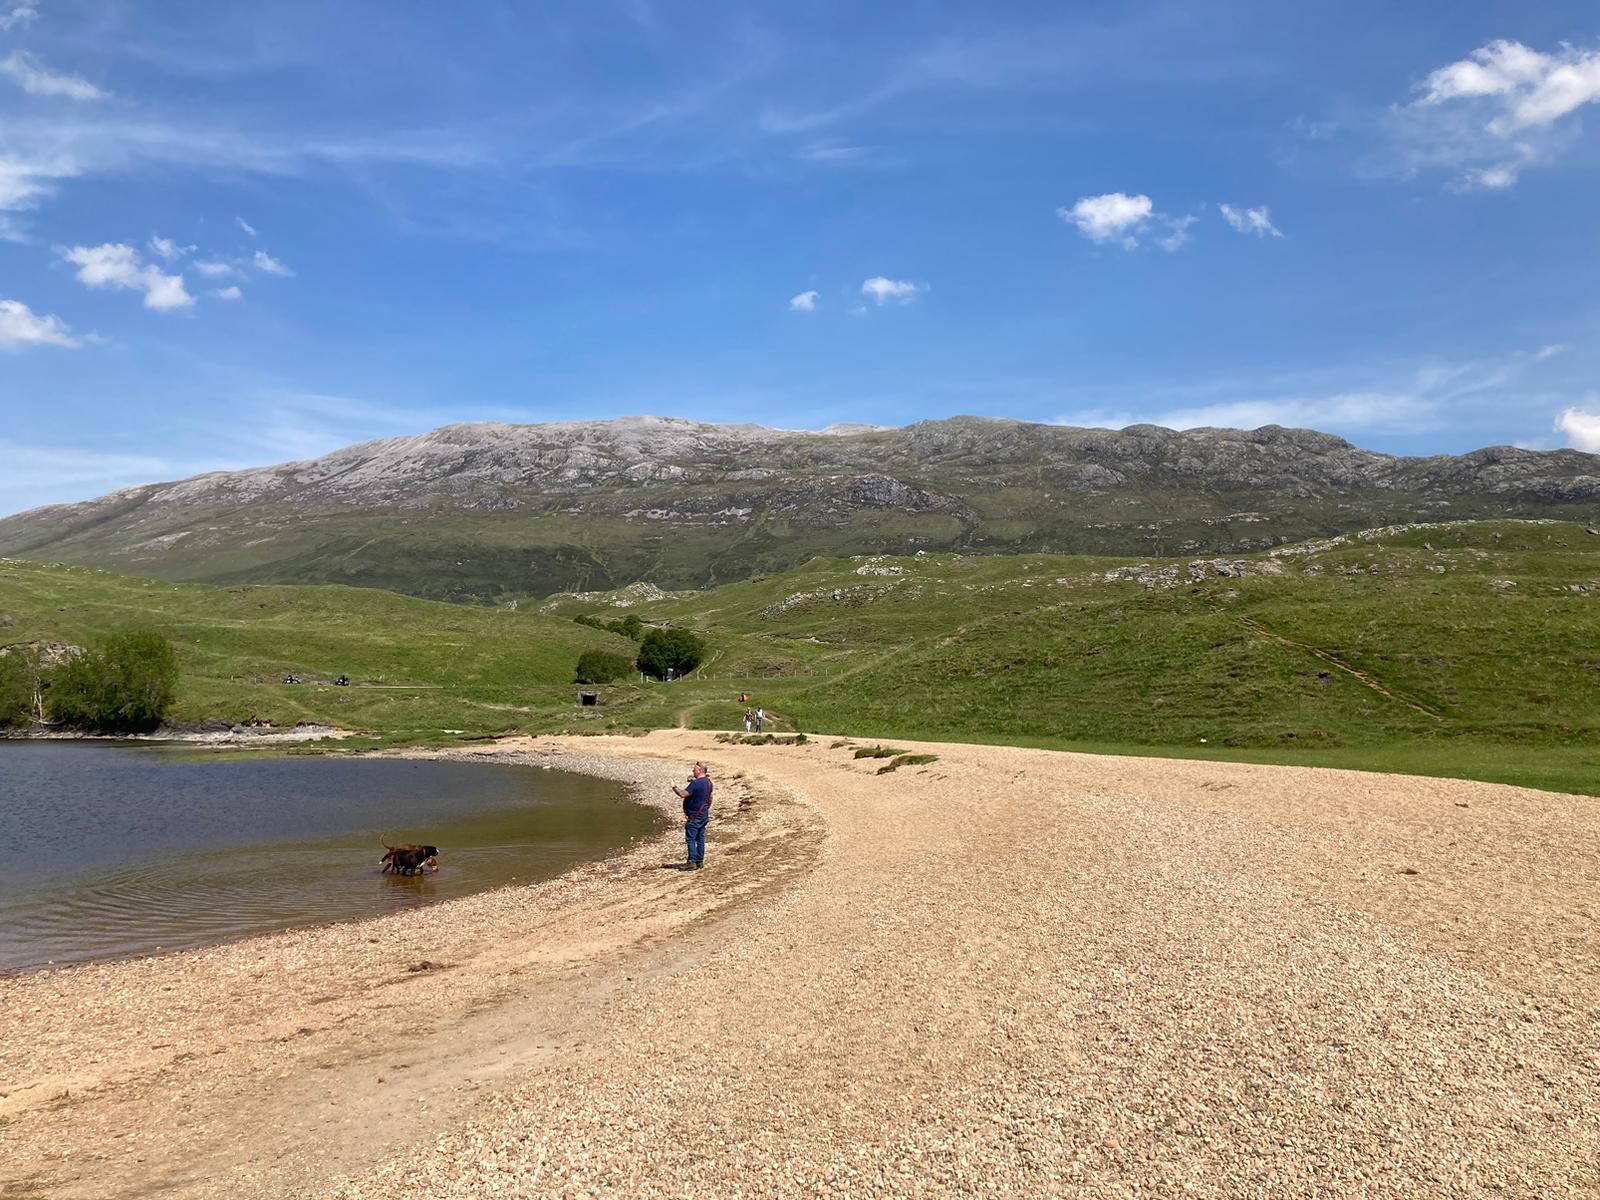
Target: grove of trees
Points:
(126, 683)
(677, 649)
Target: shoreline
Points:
(1005, 968)
(201, 735)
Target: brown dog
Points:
(409, 858)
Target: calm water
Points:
(115, 849)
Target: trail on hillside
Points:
(1339, 664)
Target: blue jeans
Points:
(695, 833)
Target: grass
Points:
(1464, 650)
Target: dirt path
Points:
(1338, 664)
(1007, 972)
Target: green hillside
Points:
(1464, 649)
(419, 667)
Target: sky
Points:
(234, 235)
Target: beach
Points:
(1001, 972)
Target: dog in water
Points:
(409, 858)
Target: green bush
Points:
(128, 683)
(674, 649)
(601, 666)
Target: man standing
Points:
(761, 718)
(696, 813)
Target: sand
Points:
(1007, 972)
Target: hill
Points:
(1455, 649)
(489, 512)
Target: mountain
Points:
(485, 511)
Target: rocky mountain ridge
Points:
(488, 510)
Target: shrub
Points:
(601, 666)
(126, 683)
(674, 649)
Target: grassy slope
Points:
(484, 669)
(1403, 651)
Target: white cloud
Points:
(41, 81)
(20, 327)
(1581, 427)
(20, 14)
(117, 265)
(1250, 220)
(804, 302)
(228, 293)
(1123, 219)
(169, 249)
(1550, 351)
(1111, 217)
(900, 291)
(1529, 88)
(214, 268)
(1498, 111)
(265, 262)
(245, 225)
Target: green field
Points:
(1468, 650)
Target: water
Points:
(119, 849)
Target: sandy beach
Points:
(1005, 972)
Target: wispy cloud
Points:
(883, 291)
(804, 302)
(214, 268)
(1250, 220)
(1492, 115)
(228, 293)
(1388, 399)
(44, 464)
(169, 249)
(37, 80)
(246, 226)
(265, 262)
(18, 15)
(20, 327)
(117, 265)
(25, 180)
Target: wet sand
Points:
(1005, 972)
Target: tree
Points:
(601, 666)
(22, 679)
(677, 649)
(127, 683)
(632, 627)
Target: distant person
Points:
(749, 719)
(761, 718)
(696, 813)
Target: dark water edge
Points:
(118, 850)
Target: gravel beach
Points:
(1004, 972)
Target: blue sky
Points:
(238, 234)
